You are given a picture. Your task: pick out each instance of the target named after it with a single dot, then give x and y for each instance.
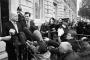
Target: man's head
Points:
(51, 21)
(65, 47)
(27, 16)
(65, 21)
(19, 9)
(46, 23)
(14, 16)
(71, 34)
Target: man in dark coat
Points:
(12, 28)
(21, 18)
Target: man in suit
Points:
(31, 30)
(11, 29)
(21, 18)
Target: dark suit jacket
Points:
(21, 19)
(7, 27)
(29, 31)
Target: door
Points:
(4, 13)
(0, 21)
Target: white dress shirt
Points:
(15, 25)
(60, 31)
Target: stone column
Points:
(13, 4)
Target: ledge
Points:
(2, 46)
(3, 55)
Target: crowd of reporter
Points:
(56, 39)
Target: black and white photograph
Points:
(44, 29)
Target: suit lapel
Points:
(18, 26)
(12, 26)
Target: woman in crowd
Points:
(62, 30)
(44, 29)
(52, 29)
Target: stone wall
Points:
(27, 6)
(65, 11)
(3, 53)
(49, 9)
(43, 10)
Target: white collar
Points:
(64, 26)
(13, 22)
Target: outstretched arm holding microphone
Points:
(5, 38)
(11, 32)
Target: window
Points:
(37, 9)
(55, 8)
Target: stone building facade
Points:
(43, 10)
(40, 10)
(67, 9)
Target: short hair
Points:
(28, 13)
(19, 9)
(65, 19)
(51, 19)
(72, 32)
